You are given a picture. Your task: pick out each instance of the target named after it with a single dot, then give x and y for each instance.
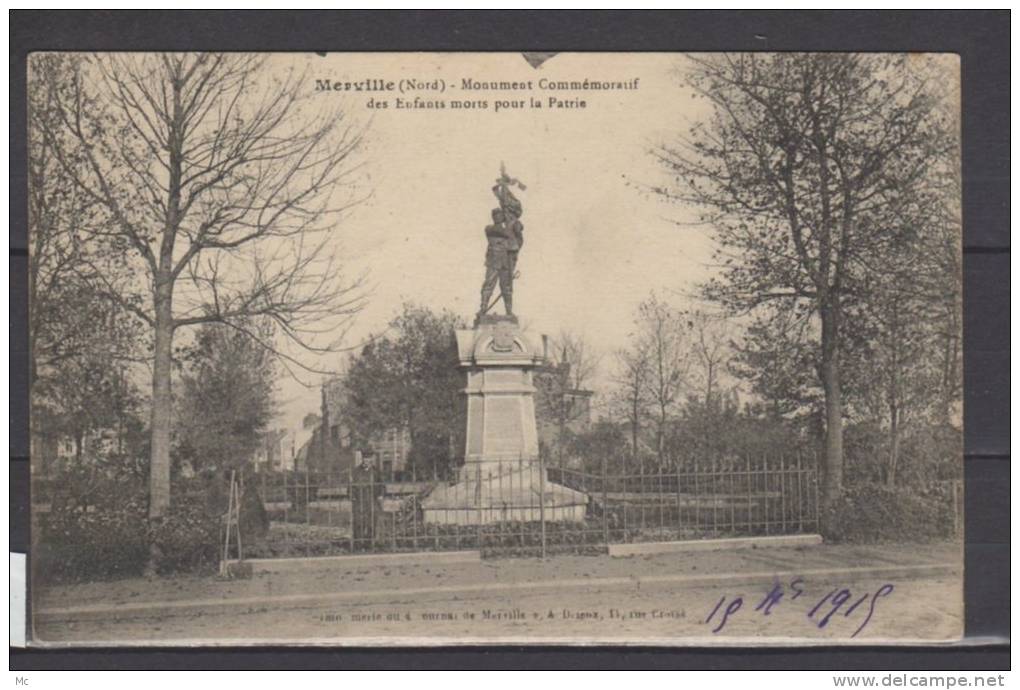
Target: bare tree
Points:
(710, 344)
(665, 337)
(222, 183)
(574, 350)
(572, 365)
(800, 165)
(907, 365)
(630, 394)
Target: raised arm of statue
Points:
(510, 204)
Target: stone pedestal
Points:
(501, 479)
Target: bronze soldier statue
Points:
(505, 238)
(498, 263)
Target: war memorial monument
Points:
(502, 478)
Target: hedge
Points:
(875, 513)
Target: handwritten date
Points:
(841, 601)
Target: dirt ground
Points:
(809, 594)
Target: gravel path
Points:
(662, 599)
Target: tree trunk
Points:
(710, 384)
(634, 429)
(163, 324)
(894, 444)
(411, 438)
(660, 439)
(660, 429)
(832, 475)
(949, 369)
(162, 406)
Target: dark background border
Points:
(981, 38)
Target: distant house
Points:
(327, 448)
(50, 453)
(274, 452)
(331, 448)
(390, 450)
(322, 454)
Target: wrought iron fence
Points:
(525, 507)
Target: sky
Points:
(596, 244)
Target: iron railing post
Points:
(541, 498)
(750, 498)
(605, 501)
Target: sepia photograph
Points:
(459, 348)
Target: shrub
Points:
(98, 543)
(112, 540)
(875, 513)
(186, 540)
(210, 493)
(286, 540)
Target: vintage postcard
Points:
(476, 348)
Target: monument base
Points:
(489, 493)
(501, 480)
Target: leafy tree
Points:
(803, 164)
(221, 189)
(226, 400)
(81, 342)
(777, 356)
(409, 378)
(707, 433)
(602, 448)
